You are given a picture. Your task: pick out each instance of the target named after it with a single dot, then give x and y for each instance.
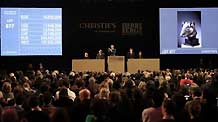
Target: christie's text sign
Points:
(99, 27)
(124, 29)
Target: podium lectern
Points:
(143, 64)
(116, 64)
(83, 65)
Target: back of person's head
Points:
(63, 94)
(47, 98)
(142, 85)
(150, 84)
(9, 115)
(195, 91)
(158, 97)
(183, 76)
(129, 83)
(60, 115)
(44, 87)
(65, 83)
(84, 94)
(169, 106)
(194, 109)
(115, 97)
(179, 100)
(184, 90)
(6, 87)
(19, 99)
(116, 85)
(92, 80)
(104, 93)
(37, 116)
(34, 101)
(18, 90)
(210, 95)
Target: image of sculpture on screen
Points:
(189, 31)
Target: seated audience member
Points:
(209, 109)
(34, 103)
(7, 92)
(103, 94)
(100, 108)
(63, 99)
(27, 89)
(168, 110)
(115, 112)
(47, 100)
(153, 114)
(194, 110)
(142, 86)
(66, 85)
(84, 94)
(19, 102)
(9, 115)
(100, 55)
(37, 116)
(131, 53)
(195, 94)
(60, 115)
(82, 105)
(185, 81)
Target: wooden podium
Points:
(83, 65)
(133, 65)
(116, 64)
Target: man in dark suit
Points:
(100, 55)
(131, 53)
(112, 51)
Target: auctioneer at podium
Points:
(112, 50)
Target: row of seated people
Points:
(146, 96)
